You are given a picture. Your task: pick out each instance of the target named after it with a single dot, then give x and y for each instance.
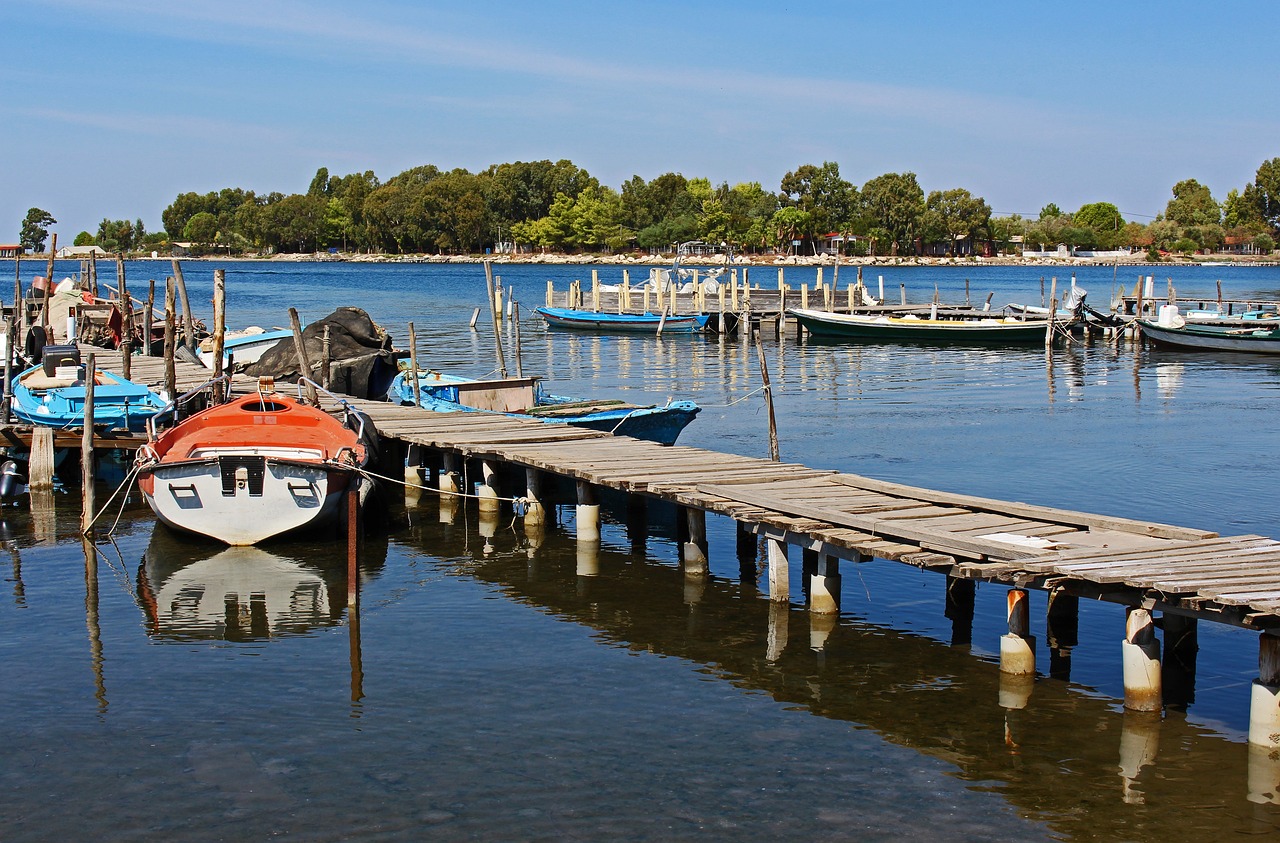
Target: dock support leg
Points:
(1141, 660)
(1018, 647)
(535, 515)
(414, 465)
(1181, 643)
(748, 547)
(40, 469)
(694, 550)
(959, 609)
(1264, 707)
(487, 490)
(588, 513)
(450, 485)
(637, 524)
(1064, 632)
(776, 643)
(824, 586)
(779, 573)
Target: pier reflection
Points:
(199, 590)
(1049, 747)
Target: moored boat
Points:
(255, 467)
(243, 348)
(641, 323)
(910, 328)
(53, 395)
(1258, 339)
(525, 397)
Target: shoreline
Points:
(714, 260)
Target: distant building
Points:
(82, 251)
(11, 251)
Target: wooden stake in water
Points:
(304, 362)
(93, 274)
(493, 309)
(219, 329)
(413, 365)
(515, 329)
(188, 319)
(48, 286)
(126, 347)
(326, 360)
(86, 448)
(768, 398)
(148, 318)
(170, 343)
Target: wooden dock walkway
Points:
(1184, 573)
(1234, 579)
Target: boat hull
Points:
(640, 323)
(1205, 338)
(118, 404)
(933, 332)
(441, 394)
(193, 496)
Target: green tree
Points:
(201, 229)
(34, 231)
(1192, 204)
(1050, 211)
(956, 214)
(1264, 244)
(789, 223)
(829, 200)
(1265, 193)
(84, 238)
(895, 203)
(320, 185)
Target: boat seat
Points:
(39, 380)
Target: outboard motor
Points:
(12, 483)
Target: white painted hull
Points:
(191, 496)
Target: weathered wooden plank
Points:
(1044, 513)
(893, 529)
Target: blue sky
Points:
(113, 107)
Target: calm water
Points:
(488, 688)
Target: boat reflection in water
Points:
(211, 591)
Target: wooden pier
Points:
(1184, 574)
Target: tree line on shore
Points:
(560, 207)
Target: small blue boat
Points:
(57, 399)
(525, 397)
(636, 323)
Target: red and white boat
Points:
(255, 467)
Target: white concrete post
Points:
(779, 574)
(1018, 647)
(1141, 659)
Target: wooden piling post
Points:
(902, 289)
(86, 448)
(188, 318)
(1140, 653)
(779, 573)
(515, 338)
(40, 461)
(11, 342)
(126, 302)
(48, 286)
(1178, 659)
(768, 397)
(595, 290)
(170, 344)
(304, 362)
(551, 301)
(1018, 647)
(413, 366)
(1063, 628)
(493, 309)
(148, 319)
(353, 545)
(326, 359)
(958, 608)
(219, 330)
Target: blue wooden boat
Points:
(243, 348)
(57, 399)
(525, 397)
(634, 323)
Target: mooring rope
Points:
(128, 481)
